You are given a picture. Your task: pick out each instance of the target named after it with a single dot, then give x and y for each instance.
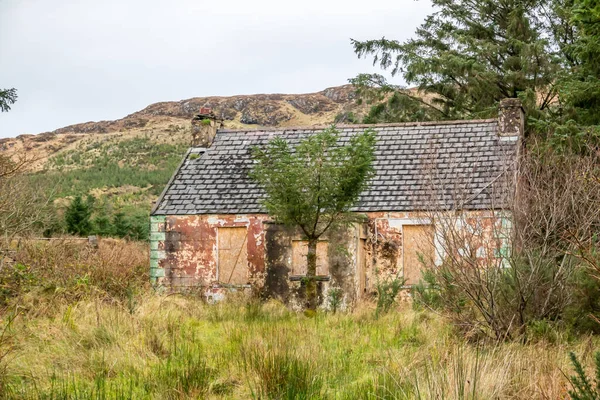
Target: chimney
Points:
(204, 127)
(511, 119)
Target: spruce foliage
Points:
(465, 58)
(314, 185)
(585, 388)
(77, 216)
(8, 97)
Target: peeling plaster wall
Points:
(342, 259)
(384, 253)
(184, 252)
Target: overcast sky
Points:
(77, 60)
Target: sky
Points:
(75, 61)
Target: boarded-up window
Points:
(417, 249)
(299, 252)
(233, 255)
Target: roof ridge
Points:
(343, 126)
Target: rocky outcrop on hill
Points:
(261, 110)
(167, 118)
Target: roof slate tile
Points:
(410, 160)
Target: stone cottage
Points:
(210, 233)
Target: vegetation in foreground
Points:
(81, 323)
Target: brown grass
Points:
(88, 326)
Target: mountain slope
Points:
(124, 164)
(169, 121)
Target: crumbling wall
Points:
(184, 252)
(341, 258)
(487, 233)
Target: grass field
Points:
(87, 327)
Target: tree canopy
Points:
(313, 185)
(8, 97)
(466, 57)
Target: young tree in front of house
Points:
(313, 185)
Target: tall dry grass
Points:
(41, 274)
(176, 347)
(86, 336)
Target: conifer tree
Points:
(120, 225)
(7, 98)
(77, 217)
(102, 225)
(580, 90)
(313, 186)
(466, 57)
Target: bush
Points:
(387, 292)
(584, 388)
(73, 270)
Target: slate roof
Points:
(449, 165)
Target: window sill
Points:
(230, 286)
(318, 278)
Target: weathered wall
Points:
(486, 234)
(341, 260)
(185, 252)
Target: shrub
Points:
(335, 296)
(584, 388)
(387, 292)
(73, 270)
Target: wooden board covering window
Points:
(417, 247)
(233, 255)
(299, 252)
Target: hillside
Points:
(125, 163)
(169, 121)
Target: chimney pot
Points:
(511, 118)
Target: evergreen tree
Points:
(7, 98)
(574, 124)
(77, 217)
(580, 90)
(466, 57)
(102, 225)
(314, 185)
(120, 225)
(139, 228)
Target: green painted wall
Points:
(157, 240)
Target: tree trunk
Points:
(311, 272)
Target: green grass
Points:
(88, 326)
(178, 347)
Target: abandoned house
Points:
(210, 232)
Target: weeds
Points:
(278, 372)
(89, 329)
(387, 293)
